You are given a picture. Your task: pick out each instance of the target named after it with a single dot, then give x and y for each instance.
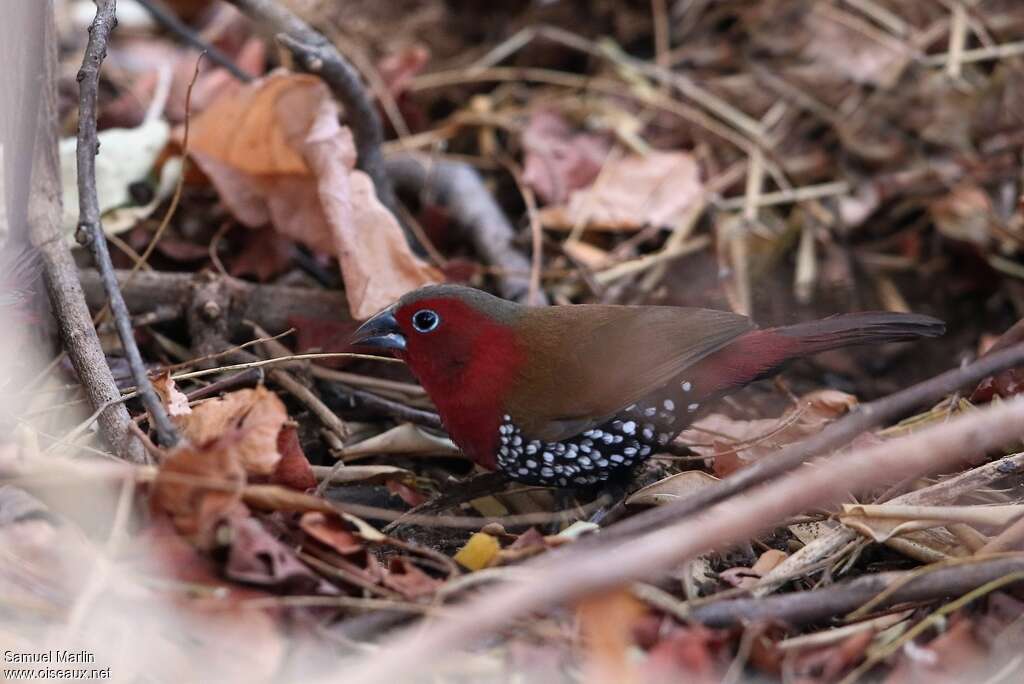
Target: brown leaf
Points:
(293, 470)
(173, 399)
(256, 415)
(840, 43)
(754, 439)
(635, 191)
(671, 488)
(409, 580)
(324, 336)
(331, 531)
(257, 557)
(691, 654)
(201, 486)
(607, 624)
(558, 160)
(276, 152)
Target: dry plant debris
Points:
(787, 159)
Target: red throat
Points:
(465, 366)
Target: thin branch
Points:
(804, 607)
(65, 292)
(89, 227)
(166, 17)
(460, 189)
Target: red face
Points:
(463, 357)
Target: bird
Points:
(569, 396)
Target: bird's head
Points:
(460, 342)
(450, 323)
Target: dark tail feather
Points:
(870, 327)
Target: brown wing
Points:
(591, 361)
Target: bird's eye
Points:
(425, 320)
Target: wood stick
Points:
(90, 229)
(60, 273)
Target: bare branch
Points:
(66, 297)
(90, 230)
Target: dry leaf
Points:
(403, 576)
(276, 152)
(256, 414)
(479, 552)
(330, 531)
(406, 439)
(365, 474)
(173, 399)
(735, 443)
(256, 557)
(201, 486)
(556, 159)
(635, 191)
(671, 488)
(840, 43)
(607, 624)
(293, 470)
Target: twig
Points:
(876, 656)
(170, 21)
(536, 231)
(459, 187)
(804, 607)
(394, 409)
(559, 578)
(89, 227)
(271, 305)
(947, 490)
(317, 55)
(65, 292)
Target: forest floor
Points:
(219, 483)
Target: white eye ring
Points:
(425, 320)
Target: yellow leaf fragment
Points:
(479, 552)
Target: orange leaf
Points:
(201, 486)
(276, 153)
(256, 414)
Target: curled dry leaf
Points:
(884, 521)
(173, 399)
(745, 578)
(199, 486)
(406, 439)
(332, 532)
(735, 443)
(255, 415)
(656, 189)
(276, 153)
(293, 470)
(671, 488)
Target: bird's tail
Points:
(871, 327)
(761, 353)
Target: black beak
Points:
(381, 331)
